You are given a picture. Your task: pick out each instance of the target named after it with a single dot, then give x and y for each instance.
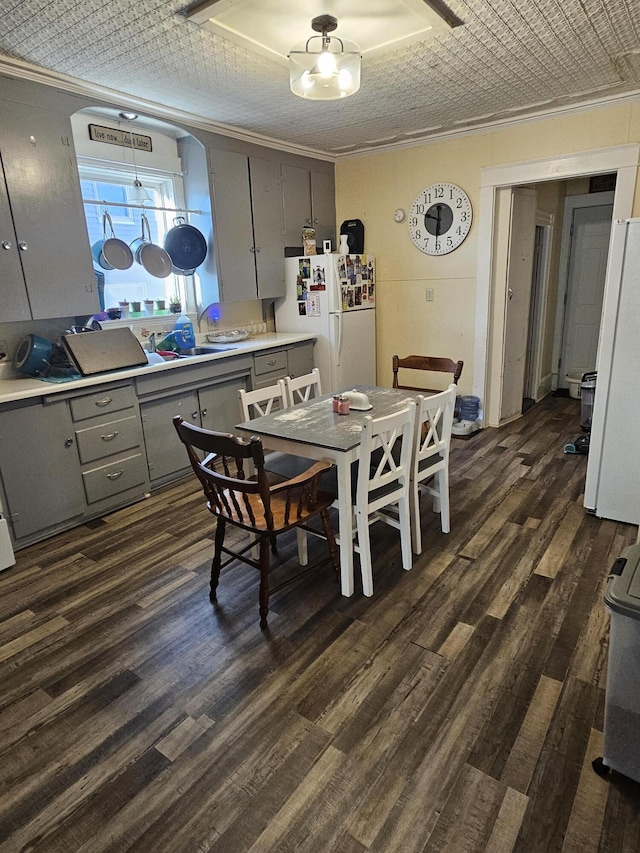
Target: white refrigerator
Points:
(333, 297)
(612, 487)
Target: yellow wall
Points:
(371, 186)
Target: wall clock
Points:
(440, 219)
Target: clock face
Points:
(440, 219)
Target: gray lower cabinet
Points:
(200, 397)
(39, 465)
(300, 359)
(45, 260)
(248, 226)
(108, 435)
(268, 367)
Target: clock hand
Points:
(438, 207)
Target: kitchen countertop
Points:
(16, 386)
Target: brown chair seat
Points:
(427, 363)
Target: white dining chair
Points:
(382, 490)
(263, 401)
(432, 441)
(303, 388)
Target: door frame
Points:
(491, 288)
(571, 203)
(538, 387)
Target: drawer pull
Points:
(109, 436)
(271, 362)
(104, 401)
(114, 475)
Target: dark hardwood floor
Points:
(458, 709)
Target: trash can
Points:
(621, 745)
(587, 393)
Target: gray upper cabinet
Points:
(248, 229)
(309, 201)
(323, 208)
(45, 260)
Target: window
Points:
(113, 186)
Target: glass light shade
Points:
(325, 75)
(138, 193)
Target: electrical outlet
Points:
(429, 294)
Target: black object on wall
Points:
(354, 229)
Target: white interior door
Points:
(522, 231)
(585, 289)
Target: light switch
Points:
(429, 294)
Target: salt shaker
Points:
(336, 402)
(343, 406)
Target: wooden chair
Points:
(303, 388)
(425, 362)
(430, 458)
(263, 511)
(382, 490)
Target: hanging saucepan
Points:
(154, 259)
(186, 247)
(111, 253)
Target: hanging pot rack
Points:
(140, 206)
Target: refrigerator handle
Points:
(338, 319)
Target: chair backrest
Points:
(380, 483)
(303, 388)
(261, 401)
(429, 363)
(434, 420)
(217, 459)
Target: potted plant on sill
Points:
(175, 305)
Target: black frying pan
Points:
(186, 246)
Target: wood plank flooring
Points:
(457, 710)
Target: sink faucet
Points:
(152, 342)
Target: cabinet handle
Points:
(194, 415)
(252, 249)
(104, 401)
(257, 248)
(68, 442)
(22, 245)
(271, 362)
(6, 245)
(109, 436)
(113, 475)
(204, 413)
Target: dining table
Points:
(313, 430)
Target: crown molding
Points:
(25, 71)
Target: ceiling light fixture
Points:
(137, 194)
(329, 73)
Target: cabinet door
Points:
(13, 292)
(44, 190)
(232, 226)
(296, 199)
(323, 206)
(220, 406)
(300, 360)
(266, 199)
(39, 466)
(166, 454)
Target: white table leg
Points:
(345, 514)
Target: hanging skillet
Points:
(186, 246)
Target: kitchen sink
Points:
(209, 349)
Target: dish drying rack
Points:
(230, 336)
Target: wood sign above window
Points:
(119, 137)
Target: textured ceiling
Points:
(511, 58)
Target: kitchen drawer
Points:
(117, 476)
(269, 362)
(91, 405)
(105, 439)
